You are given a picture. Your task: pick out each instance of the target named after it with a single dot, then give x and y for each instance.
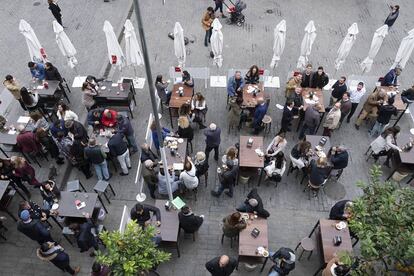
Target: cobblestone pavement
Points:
(292, 214)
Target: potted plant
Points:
(131, 253)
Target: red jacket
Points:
(27, 142)
(28, 173)
(109, 122)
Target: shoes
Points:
(123, 174)
(216, 158)
(357, 126)
(110, 176)
(202, 126)
(214, 193)
(129, 168)
(228, 194)
(205, 44)
(77, 269)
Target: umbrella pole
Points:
(152, 95)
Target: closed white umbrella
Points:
(306, 46)
(217, 42)
(132, 50)
(179, 45)
(376, 43)
(346, 46)
(65, 45)
(279, 34)
(405, 50)
(115, 54)
(36, 52)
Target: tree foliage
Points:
(383, 219)
(131, 252)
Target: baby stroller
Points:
(236, 16)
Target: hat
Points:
(253, 202)
(25, 215)
(68, 124)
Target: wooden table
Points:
(177, 101)
(249, 101)
(248, 158)
(67, 206)
(169, 225)
(177, 158)
(403, 161)
(314, 140)
(317, 92)
(249, 244)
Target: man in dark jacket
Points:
(253, 204)
(125, 127)
(319, 79)
(346, 106)
(189, 222)
(95, 117)
(141, 213)
(97, 157)
(33, 228)
(213, 140)
(284, 260)
(119, 149)
(259, 113)
(395, 10)
(147, 154)
(150, 176)
(227, 179)
(221, 266)
(84, 237)
(307, 76)
(407, 96)
(55, 9)
(341, 210)
(287, 117)
(339, 157)
(77, 130)
(52, 73)
(391, 78)
(385, 112)
(338, 89)
(311, 120)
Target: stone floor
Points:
(292, 214)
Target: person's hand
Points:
(158, 223)
(400, 150)
(111, 125)
(147, 223)
(96, 122)
(254, 212)
(54, 213)
(86, 215)
(301, 107)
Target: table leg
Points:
(260, 176)
(402, 113)
(4, 153)
(314, 228)
(391, 174)
(238, 176)
(171, 120)
(320, 122)
(319, 269)
(178, 249)
(264, 264)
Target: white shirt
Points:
(356, 95)
(198, 105)
(189, 179)
(69, 115)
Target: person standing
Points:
(119, 149)
(14, 88)
(206, 21)
(395, 11)
(391, 78)
(287, 117)
(307, 76)
(291, 85)
(310, 121)
(53, 252)
(319, 79)
(371, 106)
(125, 127)
(212, 140)
(346, 106)
(219, 6)
(149, 174)
(227, 178)
(338, 89)
(332, 119)
(221, 266)
(33, 228)
(84, 237)
(55, 9)
(95, 155)
(385, 113)
(355, 95)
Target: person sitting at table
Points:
(299, 154)
(58, 126)
(339, 158)
(29, 99)
(163, 93)
(391, 78)
(231, 154)
(276, 168)
(201, 164)
(184, 129)
(385, 112)
(162, 182)
(37, 70)
(35, 211)
(119, 148)
(64, 113)
(199, 109)
(33, 228)
(297, 100)
(149, 174)
(341, 210)
(97, 157)
(252, 76)
(307, 75)
(371, 105)
(95, 116)
(284, 261)
(259, 113)
(187, 80)
(93, 81)
(188, 176)
(50, 194)
(346, 106)
(407, 95)
(84, 237)
(147, 154)
(141, 214)
(287, 117)
(233, 224)
(292, 83)
(332, 119)
(24, 170)
(64, 144)
(277, 145)
(227, 178)
(109, 118)
(235, 85)
(164, 131)
(189, 222)
(77, 151)
(319, 79)
(319, 171)
(53, 252)
(221, 266)
(6, 173)
(14, 88)
(88, 94)
(43, 137)
(77, 131)
(386, 144)
(253, 204)
(185, 110)
(37, 121)
(338, 89)
(26, 141)
(125, 127)
(336, 268)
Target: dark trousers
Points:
(219, 6)
(209, 149)
(327, 132)
(152, 188)
(22, 104)
(59, 19)
(62, 262)
(207, 37)
(306, 130)
(222, 188)
(353, 108)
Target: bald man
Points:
(221, 266)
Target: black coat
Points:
(214, 268)
(79, 132)
(189, 223)
(228, 178)
(261, 212)
(337, 211)
(338, 90)
(319, 81)
(187, 132)
(117, 145)
(55, 9)
(53, 74)
(317, 175)
(35, 230)
(201, 168)
(340, 160)
(287, 118)
(84, 237)
(146, 215)
(145, 155)
(385, 113)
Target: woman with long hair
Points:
(299, 154)
(276, 168)
(64, 113)
(184, 128)
(88, 96)
(233, 224)
(231, 154)
(277, 145)
(386, 144)
(252, 76)
(163, 93)
(24, 170)
(29, 99)
(6, 173)
(199, 109)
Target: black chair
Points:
(231, 239)
(74, 186)
(6, 201)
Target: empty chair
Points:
(101, 188)
(75, 186)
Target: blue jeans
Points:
(377, 129)
(132, 142)
(274, 273)
(209, 32)
(102, 170)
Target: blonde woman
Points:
(184, 128)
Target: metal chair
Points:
(66, 232)
(231, 239)
(100, 188)
(75, 186)
(5, 202)
(187, 233)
